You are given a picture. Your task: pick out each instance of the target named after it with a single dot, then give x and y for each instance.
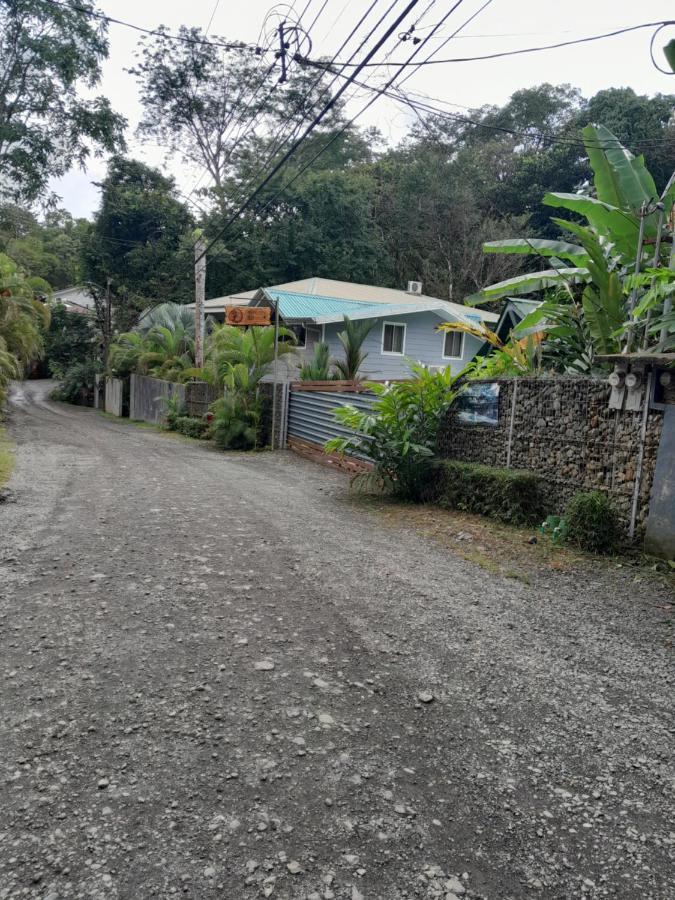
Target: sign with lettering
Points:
(248, 315)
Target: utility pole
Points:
(107, 322)
(200, 292)
(281, 53)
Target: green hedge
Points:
(593, 523)
(506, 494)
(194, 428)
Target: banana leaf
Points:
(531, 282)
(619, 227)
(536, 246)
(620, 178)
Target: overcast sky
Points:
(504, 25)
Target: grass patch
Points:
(7, 457)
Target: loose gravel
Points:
(222, 679)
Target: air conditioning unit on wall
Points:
(414, 287)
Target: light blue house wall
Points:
(422, 344)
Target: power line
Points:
(278, 143)
(94, 14)
(313, 124)
(576, 41)
(213, 14)
(378, 92)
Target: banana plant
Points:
(513, 357)
(610, 244)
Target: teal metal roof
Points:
(310, 306)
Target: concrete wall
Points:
(563, 430)
(148, 395)
(114, 396)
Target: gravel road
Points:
(222, 679)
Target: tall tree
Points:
(200, 103)
(47, 52)
(140, 243)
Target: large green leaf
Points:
(617, 226)
(620, 178)
(531, 282)
(539, 247)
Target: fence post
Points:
(511, 423)
(640, 458)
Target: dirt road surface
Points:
(220, 678)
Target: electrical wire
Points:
(572, 43)
(310, 128)
(378, 92)
(94, 14)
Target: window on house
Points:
(453, 345)
(393, 338)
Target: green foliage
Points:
(352, 339)
(174, 410)
(23, 320)
(237, 416)
(399, 434)
(556, 528)
(606, 255)
(49, 249)
(77, 382)
(509, 495)
(593, 523)
(49, 53)
(318, 368)
(229, 345)
(141, 239)
(191, 426)
(162, 345)
(69, 339)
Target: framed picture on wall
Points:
(478, 404)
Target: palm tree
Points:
(352, 339)
(253, 348)
(318, 368)
(23, 319)
(168, 315)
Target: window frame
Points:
(400, 352)
(461, 345)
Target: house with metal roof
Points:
(404, 327)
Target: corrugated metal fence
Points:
(310, 415)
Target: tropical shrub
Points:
(77, 382)
(399, 433)
(591, 298)
(174, 409)
(592, 523)
(318, 368)
(229, 345)
(352, 339)
(191, 426)
(237, 416)
(509, 495)
(23, 320)
(237, 359)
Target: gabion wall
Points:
(563, 430)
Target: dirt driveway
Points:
(217, 677)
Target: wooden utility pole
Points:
(200, 292)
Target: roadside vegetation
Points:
(610, 290)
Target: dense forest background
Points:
(361, 212)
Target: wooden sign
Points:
(248, 315)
